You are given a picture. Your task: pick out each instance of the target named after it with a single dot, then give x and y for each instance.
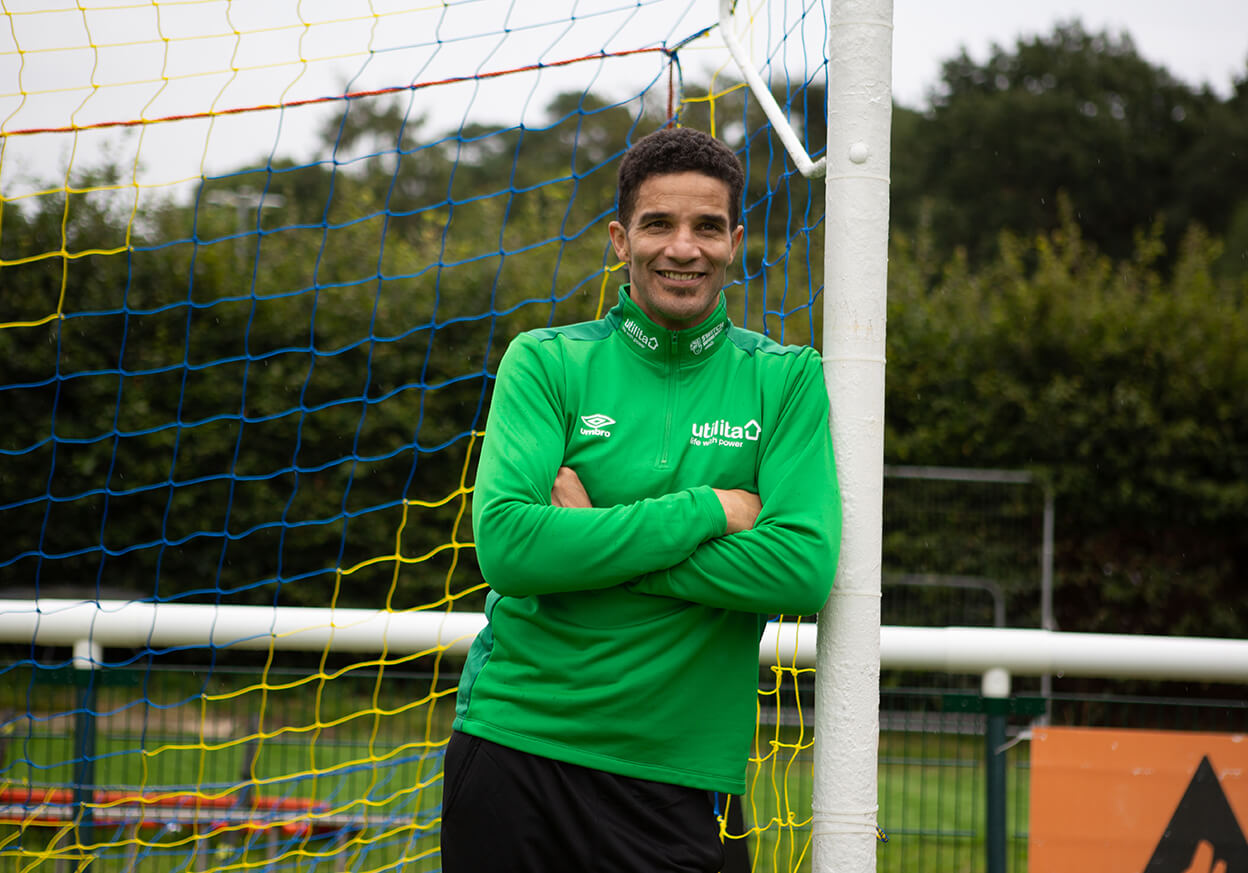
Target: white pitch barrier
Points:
(132, 624)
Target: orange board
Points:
(1132, 801)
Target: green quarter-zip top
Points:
(625, 637)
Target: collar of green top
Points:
(651, 341)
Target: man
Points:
(652, 486)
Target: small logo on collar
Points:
(702, 343)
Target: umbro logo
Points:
(596, 425)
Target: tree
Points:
(1121, 387)
(1075, 114)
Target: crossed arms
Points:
(741, 507)
(538, 533)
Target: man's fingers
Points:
(569, 491)
(741, 508)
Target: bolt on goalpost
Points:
(856, 171)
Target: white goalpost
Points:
(845, 805)
(856, 171)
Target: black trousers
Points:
(505, 810)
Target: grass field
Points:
(931, 802)
(932, 807)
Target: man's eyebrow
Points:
(653, 214)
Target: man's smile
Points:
(679, 276)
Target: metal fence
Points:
(207, 767)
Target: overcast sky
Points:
(1199, 41)
(177, 57)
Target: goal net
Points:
(258, 264)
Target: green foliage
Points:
(1122, 389)
(1075, 114)
(243, 398)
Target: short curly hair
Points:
(678, 150)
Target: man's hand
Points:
(741, 508)
(568, 490)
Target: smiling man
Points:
(652, 486)
(679, 239)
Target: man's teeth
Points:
(672, 274)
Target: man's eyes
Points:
(706, 227)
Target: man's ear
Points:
(619, 240)
(737, 235)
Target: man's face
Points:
(678, 245)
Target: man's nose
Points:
(683, 244)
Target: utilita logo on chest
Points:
(724, 433)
